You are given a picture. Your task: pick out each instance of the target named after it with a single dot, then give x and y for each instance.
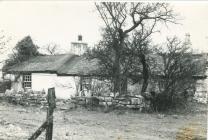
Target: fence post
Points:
(51, 105)
(39, 131)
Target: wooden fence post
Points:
(39, 131)
(51, 105)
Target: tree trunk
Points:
(124, 86)
(117, 77)
(145, 74)
(119, 87)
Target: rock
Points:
(175, 116)
(131, 106)
(115, 101)
(160, 116)
(63, 108)
(21, 110)
(108, 99)
(81, 102)
(116, 94)
(18, 95)
(72, 106)
(139, 96)
(136, 101)
(67, 133)
(101, 98)
(2, 94)
(102, 103)
(109, 103)
(124, 102)
(59, 103)
(111, 94)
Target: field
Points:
(18, 123)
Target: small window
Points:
(27, 82)
(85, 83)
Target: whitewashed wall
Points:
(201, 93)
(64, 85)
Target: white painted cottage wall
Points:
(42, 81)
(201, 93)
(64, 85)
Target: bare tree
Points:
(3, 44)
(52, 48)
(123, 18)
(178, 67)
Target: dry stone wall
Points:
(131, 102)
(28, 98)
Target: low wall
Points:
(30, 98)
(131, 102)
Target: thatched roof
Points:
(80, 65)
(70, 64)
(64, 64)
(199, 60)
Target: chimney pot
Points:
(79, 37)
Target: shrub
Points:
(6, 84)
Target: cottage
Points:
(73, 74)
(64, 72)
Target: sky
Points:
(60, 22)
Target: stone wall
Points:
(131, 102)
(29, 98)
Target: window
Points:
(27, 83)
(85, 83)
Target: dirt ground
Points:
(18, 123)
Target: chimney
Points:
(79, 37)
(78, 47)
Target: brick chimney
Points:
(79, 47)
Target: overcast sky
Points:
(60, 22)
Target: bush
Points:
(166, 101)
(178, 65)
(4, 85)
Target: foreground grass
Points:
(17, 122)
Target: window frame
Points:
(27, 81)
(85, 83)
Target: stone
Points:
(67, 133)
(131, 106)
(102, 103)
(175, 116)
(120, 105)
(115, 101)
(111, 94)
(124, 102)
(108, 99)
(109, 103)
(2, 94)
(82, 102)
(101, 98)
(116, 94)
(134, 101)
(138, 96)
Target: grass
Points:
(18, 122)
